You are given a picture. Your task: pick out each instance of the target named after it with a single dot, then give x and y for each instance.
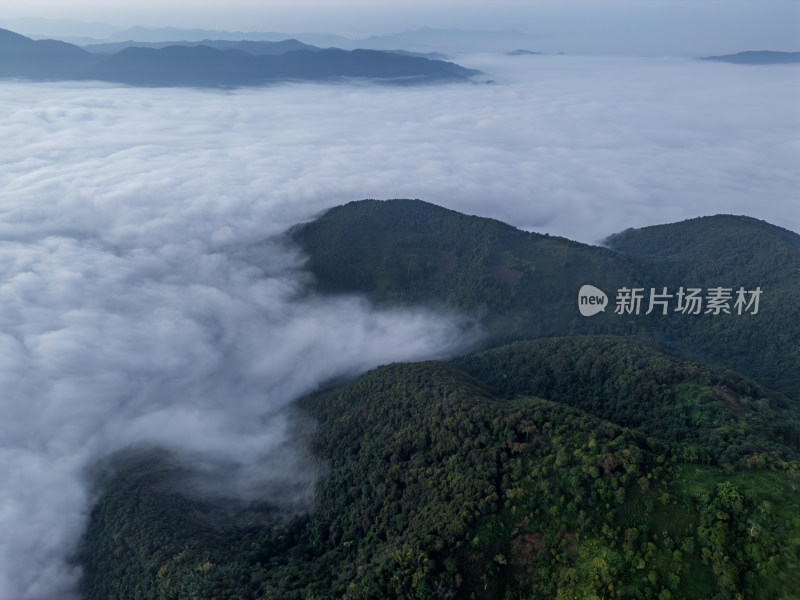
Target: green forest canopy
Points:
(586, 465)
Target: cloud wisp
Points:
(141, 302)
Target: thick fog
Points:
(143, 302)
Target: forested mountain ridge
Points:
(411, 252)
(579, 466)
(206, 66)
(722, 246)
(442, 485)
(699, 414)
(23, 57)
(223, 65)
(524, 285)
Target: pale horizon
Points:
(614, 27)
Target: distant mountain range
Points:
(216, 63)
(42, 59)
(758, 57)
(424, 40)
(254, 47)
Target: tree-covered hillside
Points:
(699, 414)
(568, 464)
(412, 252)
(449, 484)
(729, 251)
(525, 285)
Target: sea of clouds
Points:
(145, 302)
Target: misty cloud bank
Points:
(580, 147)
(167, 344)
(141, 303)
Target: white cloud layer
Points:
(140, 303)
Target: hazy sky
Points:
(645, 26)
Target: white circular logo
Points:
(591, 300)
